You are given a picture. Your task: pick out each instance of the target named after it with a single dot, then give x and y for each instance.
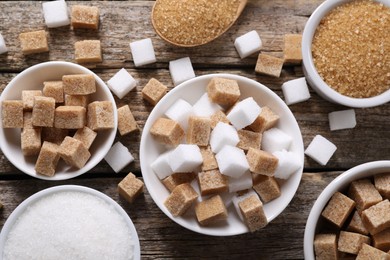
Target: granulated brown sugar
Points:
(351, 49)
(193, 22)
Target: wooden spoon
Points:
(241, 6)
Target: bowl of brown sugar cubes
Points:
(221, 155)
(58, 120)
(345, 46)
(351, 217)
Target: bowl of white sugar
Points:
(200, 155)
(69, 222)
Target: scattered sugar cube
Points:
(198, 130)
(79, 100)
(185, 158)
(130, 187)
(34, 42)
(223, 91)
(126, 121)
(54, 89)
(100, 115)
(54, 135)
(161, 165)
(217, 117)
(180, 111)
(253, 213)
(86, 136)
(175, 179)
(320, 149)
(153, 91)
(143, 52)
(261, 162)
(86, 17)
(118, 157)
(31, 141)
(43, 111)
(244, 113)
(266, 120)
(211, 211)
(288, 163)
(223, 134)
(274, 140)
(377, 217)
(269, 65)
(167, 131)
(267, 187)
(121, 83)
(73, 152)
(204, 106)
(369, 252)
(364, 193)
(295, 91)
(325, 246)
(351, 243)
(28, 98)
(212, 182)
(88, 51)
(248, 44)
(209, 161)
(12, 113)
(232, 161)
(243, 183)
(181, 199)
(55, 13)
(249, 139)
(27, 120)
(292, 48)
(70, 117)
(79, 84)
(3, 47)
(338, 209)
(47, 159)
(356, 225)
(342, 119)
(181, 70)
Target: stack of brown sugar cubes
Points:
(357, 224)
(50, 116)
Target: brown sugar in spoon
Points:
(190, 23)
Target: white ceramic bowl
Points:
(312, 76)
(338, 184)
(68, 188)
(191, 91)
(33, 78)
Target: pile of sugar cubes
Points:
(220, 152)
(59, 121)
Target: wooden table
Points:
(125, 21)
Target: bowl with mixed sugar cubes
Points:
(221, 155)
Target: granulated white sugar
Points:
(69, 225)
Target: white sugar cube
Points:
(161, 165)
(243, 183)
(181, 70)
(204, 107)
(55, 13)
(274, 140)
(185, 158)
(223, 134)
(3, 47)
(295, 91)
(288, 163)
(342, 119)
(320, 149)
(195, 185)
(180, 111)
(244, 113)
(237, 199)
(232, 161)
(121, 83)
(143, 52)
(118, 157)
(227, 198)
(248, 44)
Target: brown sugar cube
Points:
(351, 243)
(86, 136)
(153, 91)
(79, 84)
(382, 184)
(249, 139)
(209, 161)
(130, 187)
(54, 135)
(325, 246)
(266, 120)
(252, 211)
(261, 162)
(269, 65)
(181, 198)
(223, 91)
(12, 113)
(211, 211)
(86, 17)
(27, 120)
(267, 187)
(126, 121)
(43, 111)
(217, 117)
(292, 48)
(47, 159)
(31, 141)
(368, 252)
(338, 209)
(34, 42)
(73, 152)
(167, 131)
(356, 225)
(377, 218)
(198, 131)
(70, 117)
(54, 89)
(212, 182)
(100, 115)
(72, 100)
(381, 240)
(178, 178)
(28, 98)
(88, 51)
(363, 192)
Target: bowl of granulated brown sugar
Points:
(345, 49)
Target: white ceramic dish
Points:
(312, 76)
(338, 184)
(68, 188)
(33, 78)
(191, 91)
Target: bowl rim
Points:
(111, 135)
(341, 181)
(313, 77)
(12, 218)
(178, 88)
